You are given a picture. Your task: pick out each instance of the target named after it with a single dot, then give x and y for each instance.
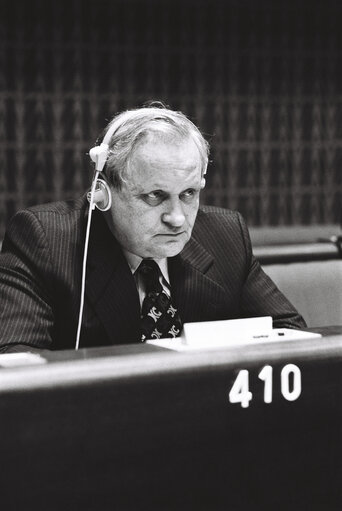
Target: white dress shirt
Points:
(164, 279)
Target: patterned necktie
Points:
(159, 319)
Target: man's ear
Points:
(202, 183)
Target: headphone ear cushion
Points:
(103, 196)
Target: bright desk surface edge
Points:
(86, 366)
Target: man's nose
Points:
(174, 216)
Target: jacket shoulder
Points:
(49, 213)
(213, 215)
(221, 228)
(57, 221)
(66, 207)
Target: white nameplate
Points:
(234, 332)
(227, 331)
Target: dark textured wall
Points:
(262, 79)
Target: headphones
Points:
(102, 196)
(102, 199)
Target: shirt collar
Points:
(134, 261)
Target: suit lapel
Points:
(110, 286)
(197, 296)
(112, 292)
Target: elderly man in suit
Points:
(155, 258)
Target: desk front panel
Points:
(157, 430)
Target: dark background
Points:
(263, 80)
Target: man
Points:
(204, 268)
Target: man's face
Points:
(154, 212)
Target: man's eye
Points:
(188, 194)
(154, 198)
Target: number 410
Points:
(240, 392)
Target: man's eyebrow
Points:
(140, 192)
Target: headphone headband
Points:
(99, 154)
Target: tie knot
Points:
(149, 270)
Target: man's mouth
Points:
(172, 234)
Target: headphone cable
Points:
(85, 254)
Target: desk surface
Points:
(280, 254)
(132, 360)
(137, 427)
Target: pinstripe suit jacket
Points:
(214, 277)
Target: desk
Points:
(137, 427)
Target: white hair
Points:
(133, 126)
